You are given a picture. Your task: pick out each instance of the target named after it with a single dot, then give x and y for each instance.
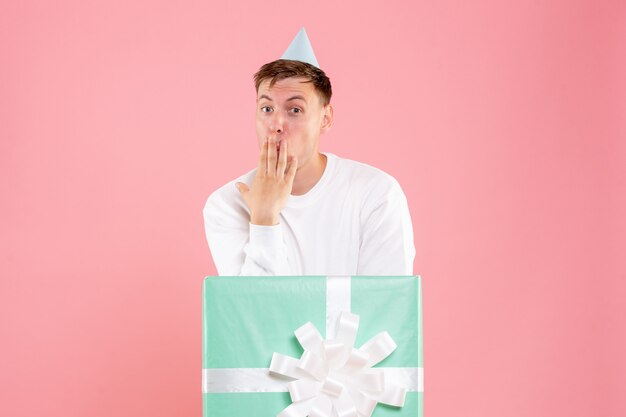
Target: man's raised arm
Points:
(244, 233)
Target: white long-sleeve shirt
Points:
(354, 221)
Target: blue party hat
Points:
(300, 49)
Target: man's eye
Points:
(296, 110)
(266, 109)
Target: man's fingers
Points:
(262, 170)
(281, 167)
(291, 171)
(271, 157)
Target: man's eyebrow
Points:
(263, 96)
(297, 98)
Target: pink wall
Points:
(504, 124)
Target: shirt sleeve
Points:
(238, 247)
(386, 241)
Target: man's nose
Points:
(276, 126)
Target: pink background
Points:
(503, 123)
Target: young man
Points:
(301, 211)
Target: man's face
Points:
(292, 110)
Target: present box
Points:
(247, 319)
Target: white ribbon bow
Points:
(332, 378)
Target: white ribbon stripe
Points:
(225, 380)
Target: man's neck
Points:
(309, 174)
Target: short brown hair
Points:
(287, 68)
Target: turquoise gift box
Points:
(246, 320)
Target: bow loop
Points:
(347, 328)
(379, 347)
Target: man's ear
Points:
(327, 118)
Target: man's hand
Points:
(271, 186)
